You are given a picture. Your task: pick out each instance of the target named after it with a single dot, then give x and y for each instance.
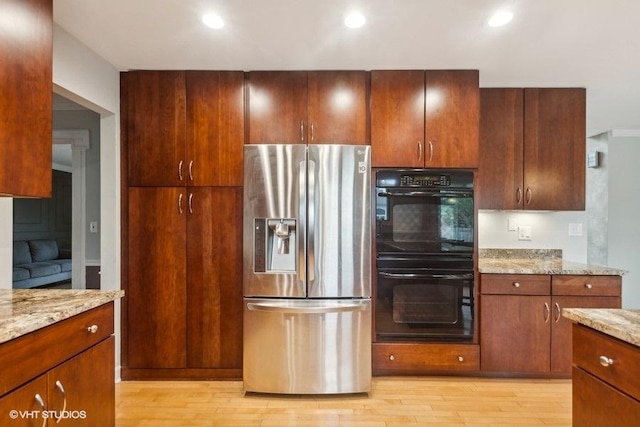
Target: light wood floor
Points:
(393, 401)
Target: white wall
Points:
(550, 230)
(85, 78)
(624, 215)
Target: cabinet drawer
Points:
(515, 284)
(39, 351)
(409, 359)
(609, 286)
(589, 346)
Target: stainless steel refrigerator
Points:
(306, 269)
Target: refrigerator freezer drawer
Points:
(307, 346)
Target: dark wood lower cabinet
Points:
(61, 375)
(522, 331)
(604, 394)
(183, 311)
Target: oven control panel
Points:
(425, 180)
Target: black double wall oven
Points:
(424, 255)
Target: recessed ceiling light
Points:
(355, 20)
(212, 20)
(500, 18)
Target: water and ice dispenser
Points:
(275, 243)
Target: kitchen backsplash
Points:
(548, 230)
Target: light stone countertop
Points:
(616, 322)
(536, 261)
(25, 310)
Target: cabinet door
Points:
(215, 278)
(554, 148)
(500, 172)
(277, 107)
(515, 333)
(85, 387)
(397, 118)
(337, 107)
(156, 279)
(452, 119)
(153, 117)
(26, 40)
(25, 400)
(215, 127)
(561, 327)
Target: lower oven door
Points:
(425, 306)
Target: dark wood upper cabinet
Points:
(397, 118)
(555, 149)
(154, 119)
(25, 104)
(289, 107)
(425, 119)
(452, 119)
(277, 104)
(183, 128)
(501, 173)
(338, 107)
(215, 128)
(533, 149)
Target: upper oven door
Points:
(424, 220)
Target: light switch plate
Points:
(512, 224)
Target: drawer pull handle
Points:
(460, 359)
(93, 329)
(516, 284)
(606, 361)
(588, 286)
(392, 357)
(547, 312)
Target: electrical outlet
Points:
(524, 232)
(575, 229)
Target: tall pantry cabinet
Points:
(182, 136)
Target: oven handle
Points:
(449, 193)
(425, 276)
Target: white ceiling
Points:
(550, 43)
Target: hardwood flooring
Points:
(393, 401)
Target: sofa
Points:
(38, 263)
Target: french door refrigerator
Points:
(306, 269)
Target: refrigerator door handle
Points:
(311, 224)
(302, 224)
(317, 309)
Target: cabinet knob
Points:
(588, 286)
(516, 284)
(606, 361)
(392, 357)
(93, 329)
(460, 359)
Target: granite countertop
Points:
(616, 322)
(25, 310)
(536, 261)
